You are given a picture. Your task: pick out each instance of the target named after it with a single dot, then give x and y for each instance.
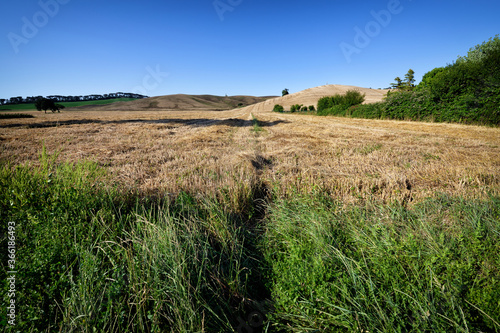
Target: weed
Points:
(369, 149)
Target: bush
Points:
(311, 108)
(410, 105)
(336, 110)
(324, 103)
(296, 107)
(353, 97)
(370, 111)
(278, 108)
(304, 108)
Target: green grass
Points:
(91, 257)
(256, 126)
(17, 107)
(372, 268)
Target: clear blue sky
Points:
(252, 47)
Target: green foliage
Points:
(278, 108)
(48, 104)
(370, 111)
(312, 108)
(339, 104)
(285, 92)
(467, 91)
(256, 126)
(406, 105)
(384, 269)
(324, 103)
(407, 84)
(409, 79)
(398, 84)
(296, 107)
(304, 108)
(91, 259)
(478, 52)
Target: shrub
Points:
(278, 108)
(304, 108)
(353, 97)
(311, 108)
(370, 111)
(296, 107)
(350, 98)
(324, 103)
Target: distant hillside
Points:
(31, 106)
(312, 95)
(181, 102)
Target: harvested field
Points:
(206, 152)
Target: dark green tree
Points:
(397, 84)
(409, 83)
(285, 92)
(278, 108)
(48, 104)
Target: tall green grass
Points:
(90, 258)
(434, 267)
(94, 258)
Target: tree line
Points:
(59, 98)
(465, 91)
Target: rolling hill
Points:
(181, 102)
(312, 95)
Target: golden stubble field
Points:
(159, 152)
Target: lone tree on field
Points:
(284, 92)
(48, 104)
